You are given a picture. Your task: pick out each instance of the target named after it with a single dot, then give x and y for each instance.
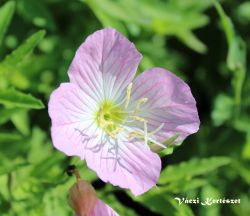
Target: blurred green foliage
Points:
(204, 42)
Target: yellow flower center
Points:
(109, 117)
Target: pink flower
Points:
(108, 118)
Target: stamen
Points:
(156, 130)
(139, 103)
(129, 88)
(136, 134)
(156, 142)
(137, 118)
(140, 135)
(115, 132)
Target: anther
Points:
(136, 134)
(115, 132)
(137, 118)
(139, 103)
(129, 88)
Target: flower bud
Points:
(82, 198)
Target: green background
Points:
(202, 41)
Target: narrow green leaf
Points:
(191, 168)
(193, 42)
(6, 13)
(23, 50)
(21, 121)
(236, 57)
(14, 98)
(226, 22)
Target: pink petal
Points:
(127, 165)
(104, 64)
(102, 209)
(70, 113)
(170, 101)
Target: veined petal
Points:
(71, 111)
(126, 164)
(104, 64)
(102, 209)
(170, 102)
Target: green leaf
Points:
(21, 121)
(193, 42)
(226, 22)
(14, 98)
(191, 168)
(6, 13)
(236, 57)
(16, 57)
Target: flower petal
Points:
(104, 64)
(102, 209)
(126, 164)
(71, 111)
(170, 102)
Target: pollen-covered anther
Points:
(138, 118)
(135, 134)
(139, 103)
(129, 89)
(115, 132)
